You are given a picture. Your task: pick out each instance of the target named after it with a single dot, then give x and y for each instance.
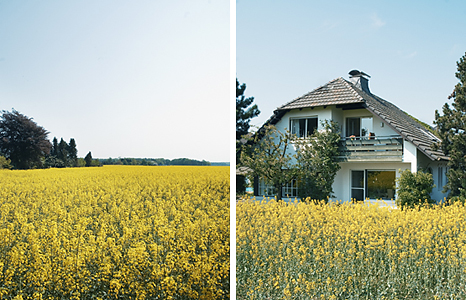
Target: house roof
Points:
(342, 92)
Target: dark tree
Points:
(88, 159)
(452, 130)
(72, 153)
(244, 113)
(23, 141)
(54, 151)
(62, 152)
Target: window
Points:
(359, 126)
(290, 190)
(373, 184)
(440, 178)
(357, 185)
(265, 189)
(381, 184)
(303, 128)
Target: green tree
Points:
(317, 159)
(72, 153)
(451, 127)
(62, 153)
(54, 151)
(414, 189)
(267, 157)
(23, 141)
(244, 113)
(88, 159)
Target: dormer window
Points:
(303, 127)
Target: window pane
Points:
(440, 178)
(353, 126)
(357, 179)
(294, 126)
(311, 126)
(381, 184)
(357, 194)
(302, 127)
(366, 124)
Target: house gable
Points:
(341, 95)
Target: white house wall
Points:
(410, 155)
(319, 112)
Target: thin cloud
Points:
(377, 22)
(403, 54)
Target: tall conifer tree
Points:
(451, 127)
(73, 153)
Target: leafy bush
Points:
(5, 163)
(414, 189)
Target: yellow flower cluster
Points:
(117, 232)
(349, 251)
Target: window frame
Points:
(363, 132)
(306, 122)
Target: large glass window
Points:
(381, 184)
(304, 127)
(373, 184)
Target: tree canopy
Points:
(270, 157)
(22, 141)
(317, 160)
(244, 111)
(451, 127)
(267, 157)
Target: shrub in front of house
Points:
(414, 189)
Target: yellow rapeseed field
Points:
(116, 232)
(350, 251)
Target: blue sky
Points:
(409, 48)
(124, 78)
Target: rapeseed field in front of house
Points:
(345, 251)
(116, 232)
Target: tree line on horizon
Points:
(154, 162)
(24, 145)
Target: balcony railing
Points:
(372, 148)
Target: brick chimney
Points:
(360, 80)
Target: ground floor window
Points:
(290, 190)
(373, 184)
(265, 189)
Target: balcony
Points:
(371, 149)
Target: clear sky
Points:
(123, 78)
(409, 48)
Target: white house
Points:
(379, 139)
